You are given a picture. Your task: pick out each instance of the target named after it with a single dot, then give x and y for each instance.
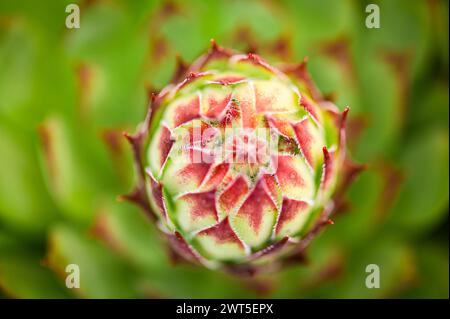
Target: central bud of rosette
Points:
(237, 159)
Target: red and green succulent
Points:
(239, 160)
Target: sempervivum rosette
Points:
(239, 161)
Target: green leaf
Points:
(78, 172)
(23, 276)
(429, 108)
(423, 197)
(132, 235)
(381, 109)
(25, 205)
(129, 233)
(102, 274)
(23, 273)
(404, 28)
(363, 216)
(396, 269)
(432, 282)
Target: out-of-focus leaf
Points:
(440, 21)
(396, 265)
(102, 275)
(76, 167)
(381, 108)
(25, 204)
(35, 79)
(334, 78)
(26, 278)
(184, 281)
(430, 109)
(311, 29)
(22, 274)
(16, 60)
(363, 216)
(424, 195)
(130, 234)
(432, 281)
(324, 261)
(403, 28)
(8, 243)
(109, 57)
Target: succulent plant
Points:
(68, 94)
(239, 160)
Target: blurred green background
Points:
(66, 96)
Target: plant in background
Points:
(67, 95)
(239, 161)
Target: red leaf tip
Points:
(253, 57)
(344, 113)
(127, 136)
(214, 45)
(326, 154)
(130, 138)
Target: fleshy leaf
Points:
(256, 217)
(220, 242)
(293, 215)
(295, 178)
(196, 211)
(310, 141)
